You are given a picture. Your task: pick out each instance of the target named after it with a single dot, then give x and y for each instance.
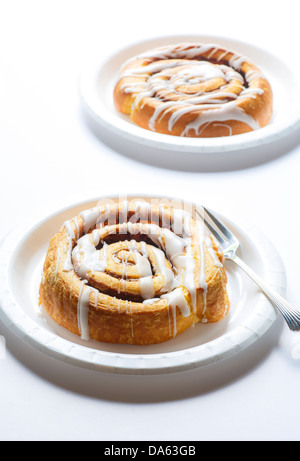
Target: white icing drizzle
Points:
(68, 266)
(97, 296)
(177, 299)
(214, 106)
(69, 229)
(164, 270)
(181, 222)
(202, 277)
(123, 214)
(146, 287)
(223, 125)
(212, 252)
(175, 245)
(83, 307)
(144, 269)
(86, 258)
(143, 210)
(151, 301)
(76, 223)
(89, 217)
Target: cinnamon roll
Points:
(194, 90)
(133, 272)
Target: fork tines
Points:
(220, 232)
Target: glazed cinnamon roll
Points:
(194, 90)
(133, 273)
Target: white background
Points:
(49, 156)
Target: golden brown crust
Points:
(111, 300)
(233, 97)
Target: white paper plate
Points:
(22, 254)
(96, 88)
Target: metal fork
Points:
(230, 244)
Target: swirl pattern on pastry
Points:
(194, 90)
(133, 273)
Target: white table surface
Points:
(49, 155)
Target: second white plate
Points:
(96, 89)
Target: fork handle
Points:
(291, 315)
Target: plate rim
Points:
(216, 350)
(134, 133)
